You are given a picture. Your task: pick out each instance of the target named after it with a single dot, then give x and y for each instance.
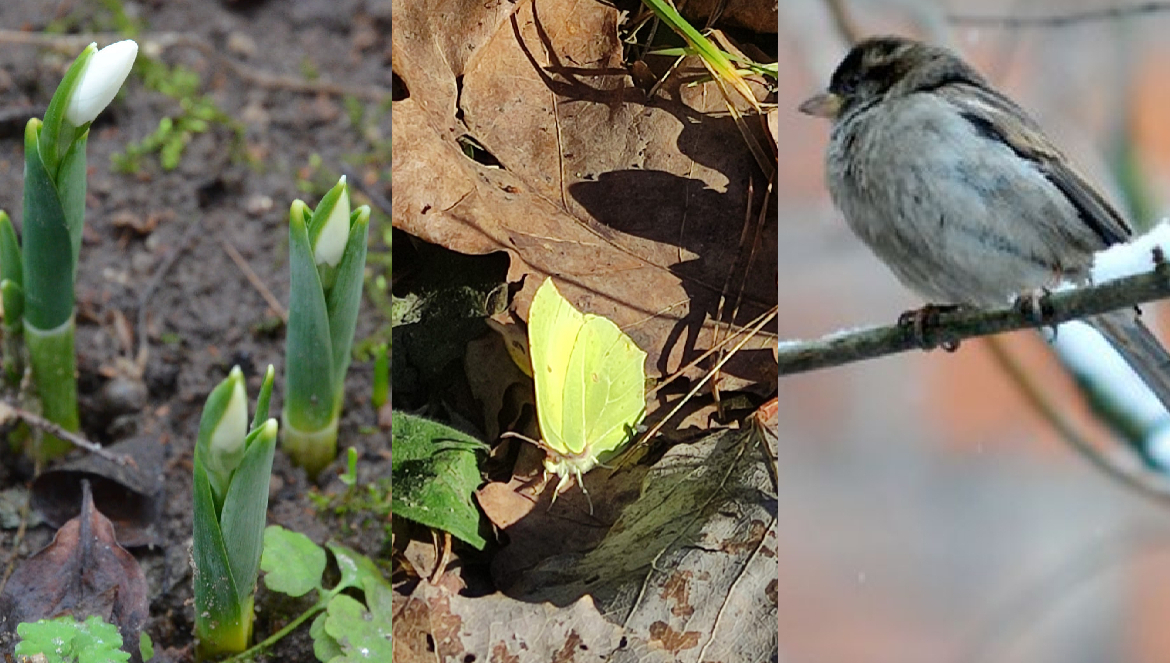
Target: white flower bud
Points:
(103, 76)
(226, 449)
(335, 233)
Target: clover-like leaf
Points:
(356, 569)
(364, 635)
(324, 646)
(65, 640)
(292, 563)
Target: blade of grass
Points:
(716, 61)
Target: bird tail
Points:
(1140, 349)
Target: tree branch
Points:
(950, 327)
(1060, 20)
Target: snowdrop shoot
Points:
(327, 258)
(37, 279)
(232, 472)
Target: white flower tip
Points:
(229, 434)
(100, 81)
(335, 233)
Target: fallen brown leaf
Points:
(635, 205)
(82, 572)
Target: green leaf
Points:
(345, 297)
(145, 647)
(57, 134)
(309, 389)
(64, 640)
(434, 472)
(218, 614)
(71, 184)
(13, 298)
(356, 569)
(48, 252)
(364, 635)
(245, 509)
(324, 646)
(263, 399)
(292, 563)
(10, 260)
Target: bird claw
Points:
(1033, 304)
(919, 322)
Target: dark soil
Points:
(204, 315)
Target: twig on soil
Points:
(161, 40)
(271, 299)
(7, 410)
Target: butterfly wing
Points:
(590, 379)
(553, 326)
(605, 393)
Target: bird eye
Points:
(848, 85)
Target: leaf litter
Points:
(519, 128)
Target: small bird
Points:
(961, 194)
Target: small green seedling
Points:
(66, 640)
(198, 113)
(345, 629)
(350, 476)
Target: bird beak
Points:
(825, 104)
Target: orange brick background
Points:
(926, 514)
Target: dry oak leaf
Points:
(635, 205)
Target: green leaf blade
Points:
(245, 508)
(48, 265)
(345, 297)
(435, 471)
(309, 389)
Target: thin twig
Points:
(51, 428)
(273, 302)
(1060, 20)
(870, 343)
(682, 370)
(844, 21)
(751, 333)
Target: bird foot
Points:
(1033, 304)
(920, 323)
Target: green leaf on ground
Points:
(66, 640)
(434, 471)
(363, 635)
(292, 563)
